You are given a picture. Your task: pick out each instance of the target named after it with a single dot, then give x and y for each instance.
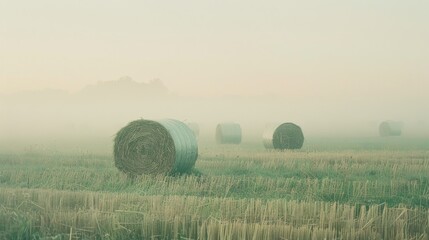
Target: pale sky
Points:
(332, 48)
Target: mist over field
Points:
(335, 68)
(88, 119)
(350, 78)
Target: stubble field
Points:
(376, 189)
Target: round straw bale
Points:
(283, 136)
(228, 133)
(155, 147)
(390, 128)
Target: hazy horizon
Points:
(336, 68)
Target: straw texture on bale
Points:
(283, 136)
(390, 128)
(155, 147)
(228, 133)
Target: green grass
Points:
(385, 176)
(351, 177)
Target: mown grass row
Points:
(345, 177)
(31, 213)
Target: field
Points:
(331, 189)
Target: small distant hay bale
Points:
(283, 136)
(390, 128)
(228, 133)
(195, 128)
(155, 147)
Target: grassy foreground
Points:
(235, 192)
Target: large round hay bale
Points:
(283, 136)
(155, 147)
(390, 128)
(228, 133)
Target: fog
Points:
(335, 68)
(87, 120)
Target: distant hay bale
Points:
(195, 128)
(283, 136)
(390, 128)
(155, 147)
(228, 133)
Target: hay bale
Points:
(283, 136)
(390, 128)
(155, 147)
(228, 133)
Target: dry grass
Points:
(90, 214)
(240, 194)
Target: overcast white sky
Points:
(331, 48)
